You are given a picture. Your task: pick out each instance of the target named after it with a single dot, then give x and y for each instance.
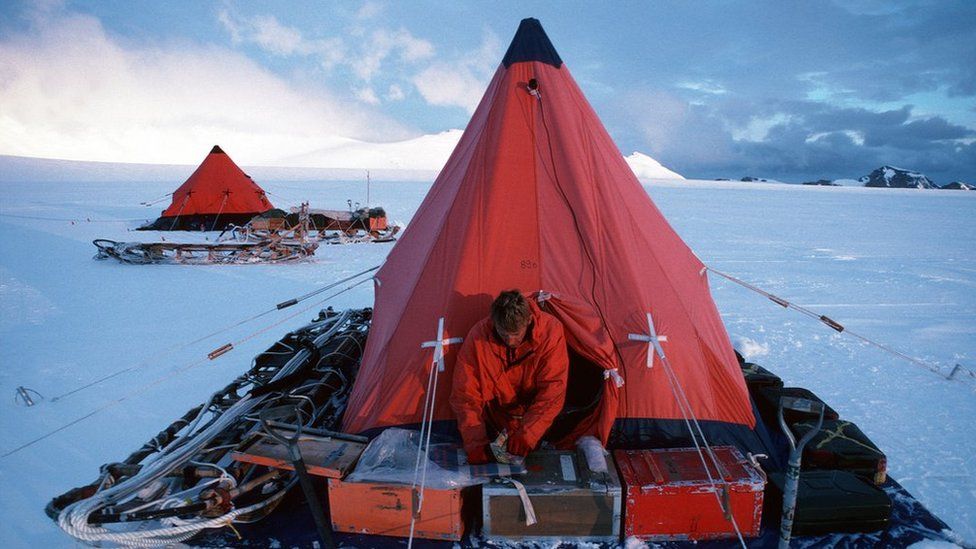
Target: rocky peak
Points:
(889, 176)
(959, 186)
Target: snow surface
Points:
(887, 263)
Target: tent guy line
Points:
(71, 219)
(834, 325)
(178, 372)
(278, 307)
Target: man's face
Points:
(512, 339)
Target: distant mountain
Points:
(891, 177)
(645, 167)
(752, 179)
(823, 183)
(959, 186)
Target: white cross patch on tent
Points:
(439, 344)
(652, 339)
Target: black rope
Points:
(576, 226)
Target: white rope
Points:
(687, 413)
(833, 324)
(427, 423)
(220, 210)
(176, 372)
(156, 200)
(183, 205)
(689, 418)
(74, 518)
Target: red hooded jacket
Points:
(520, 390)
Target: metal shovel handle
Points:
(792, 481)
(798, 404)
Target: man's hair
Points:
(510, 311)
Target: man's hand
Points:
(479, 455)
(518, 445)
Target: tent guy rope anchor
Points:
(687, 413)
(427, 423)
(840, 328)
(652, 339)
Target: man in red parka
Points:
(510, 375)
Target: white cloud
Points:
(461, 83)
(856, 137)
(383, 43)
(369, 10)
(395, 93)
(705, 86)
(277, 38)
(660, 117)
(364, 55)
(69, 90)
(270, 35)
(758, 127)
(367, 95)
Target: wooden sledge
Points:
(269, 250)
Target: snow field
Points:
(894, 265)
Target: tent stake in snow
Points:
(833, 324)
(23, 396)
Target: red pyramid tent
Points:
(537, 196)
(216, 194)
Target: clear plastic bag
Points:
(392, 457)
(596, 455)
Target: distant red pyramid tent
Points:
(218, 193)
(537, 196)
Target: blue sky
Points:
(787, 90)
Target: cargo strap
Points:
(526, 502)
(840, 434)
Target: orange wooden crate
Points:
(268, 223)
(385, 509)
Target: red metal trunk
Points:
(386, 509)
(668, 496)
